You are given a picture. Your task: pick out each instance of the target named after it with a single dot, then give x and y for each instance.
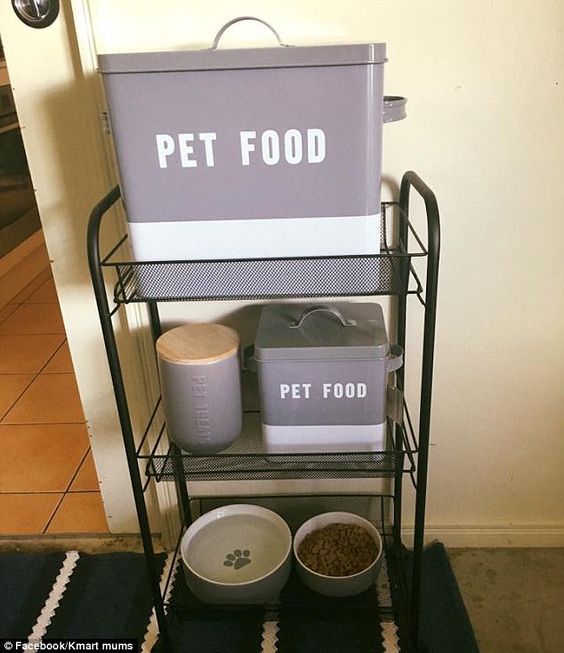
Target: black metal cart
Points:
(407, 267)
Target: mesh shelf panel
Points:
(263, 278)
(296, 510)
(247, 459)
(376, 599)
(386, 273)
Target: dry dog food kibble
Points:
(338, 550)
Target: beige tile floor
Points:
(48, 482)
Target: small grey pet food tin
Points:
(201, 386)
(250, 152)
(323, 373)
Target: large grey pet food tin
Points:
(323, 373)
(201, 386)
(255, 152)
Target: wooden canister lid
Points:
(194, 344)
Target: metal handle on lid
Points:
(322, 308)
(238, 20)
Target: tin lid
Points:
(197, 344)
(241, 58)
(321, 332)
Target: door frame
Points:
(59, 99)
(137, 318)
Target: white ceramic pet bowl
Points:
(337, 585)
(237, 554)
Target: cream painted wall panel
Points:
(485, 129)
(494, 156)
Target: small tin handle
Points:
(322, 308)
(395, 359)
(394, 108)
(249, 361)
(394, 404)
(238, 20)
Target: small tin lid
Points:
(321, 332)
(243, 58)
(197, 344)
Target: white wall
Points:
(485, 129)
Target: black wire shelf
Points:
(377, 599)
(388, 273)
(248, 459)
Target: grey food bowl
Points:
(237, 554)
(337, 585)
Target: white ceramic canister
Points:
(201, 386)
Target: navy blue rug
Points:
(26, 581)
(74, 596)
(444, 623)
(79, 596)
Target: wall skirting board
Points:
(492, 536)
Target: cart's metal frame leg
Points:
(123, 409)
(181, 489)
(412, 180)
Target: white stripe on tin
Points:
(320, 438)
(152, 632)
(273, 237)
(55, 596)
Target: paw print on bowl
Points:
(238, 559)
